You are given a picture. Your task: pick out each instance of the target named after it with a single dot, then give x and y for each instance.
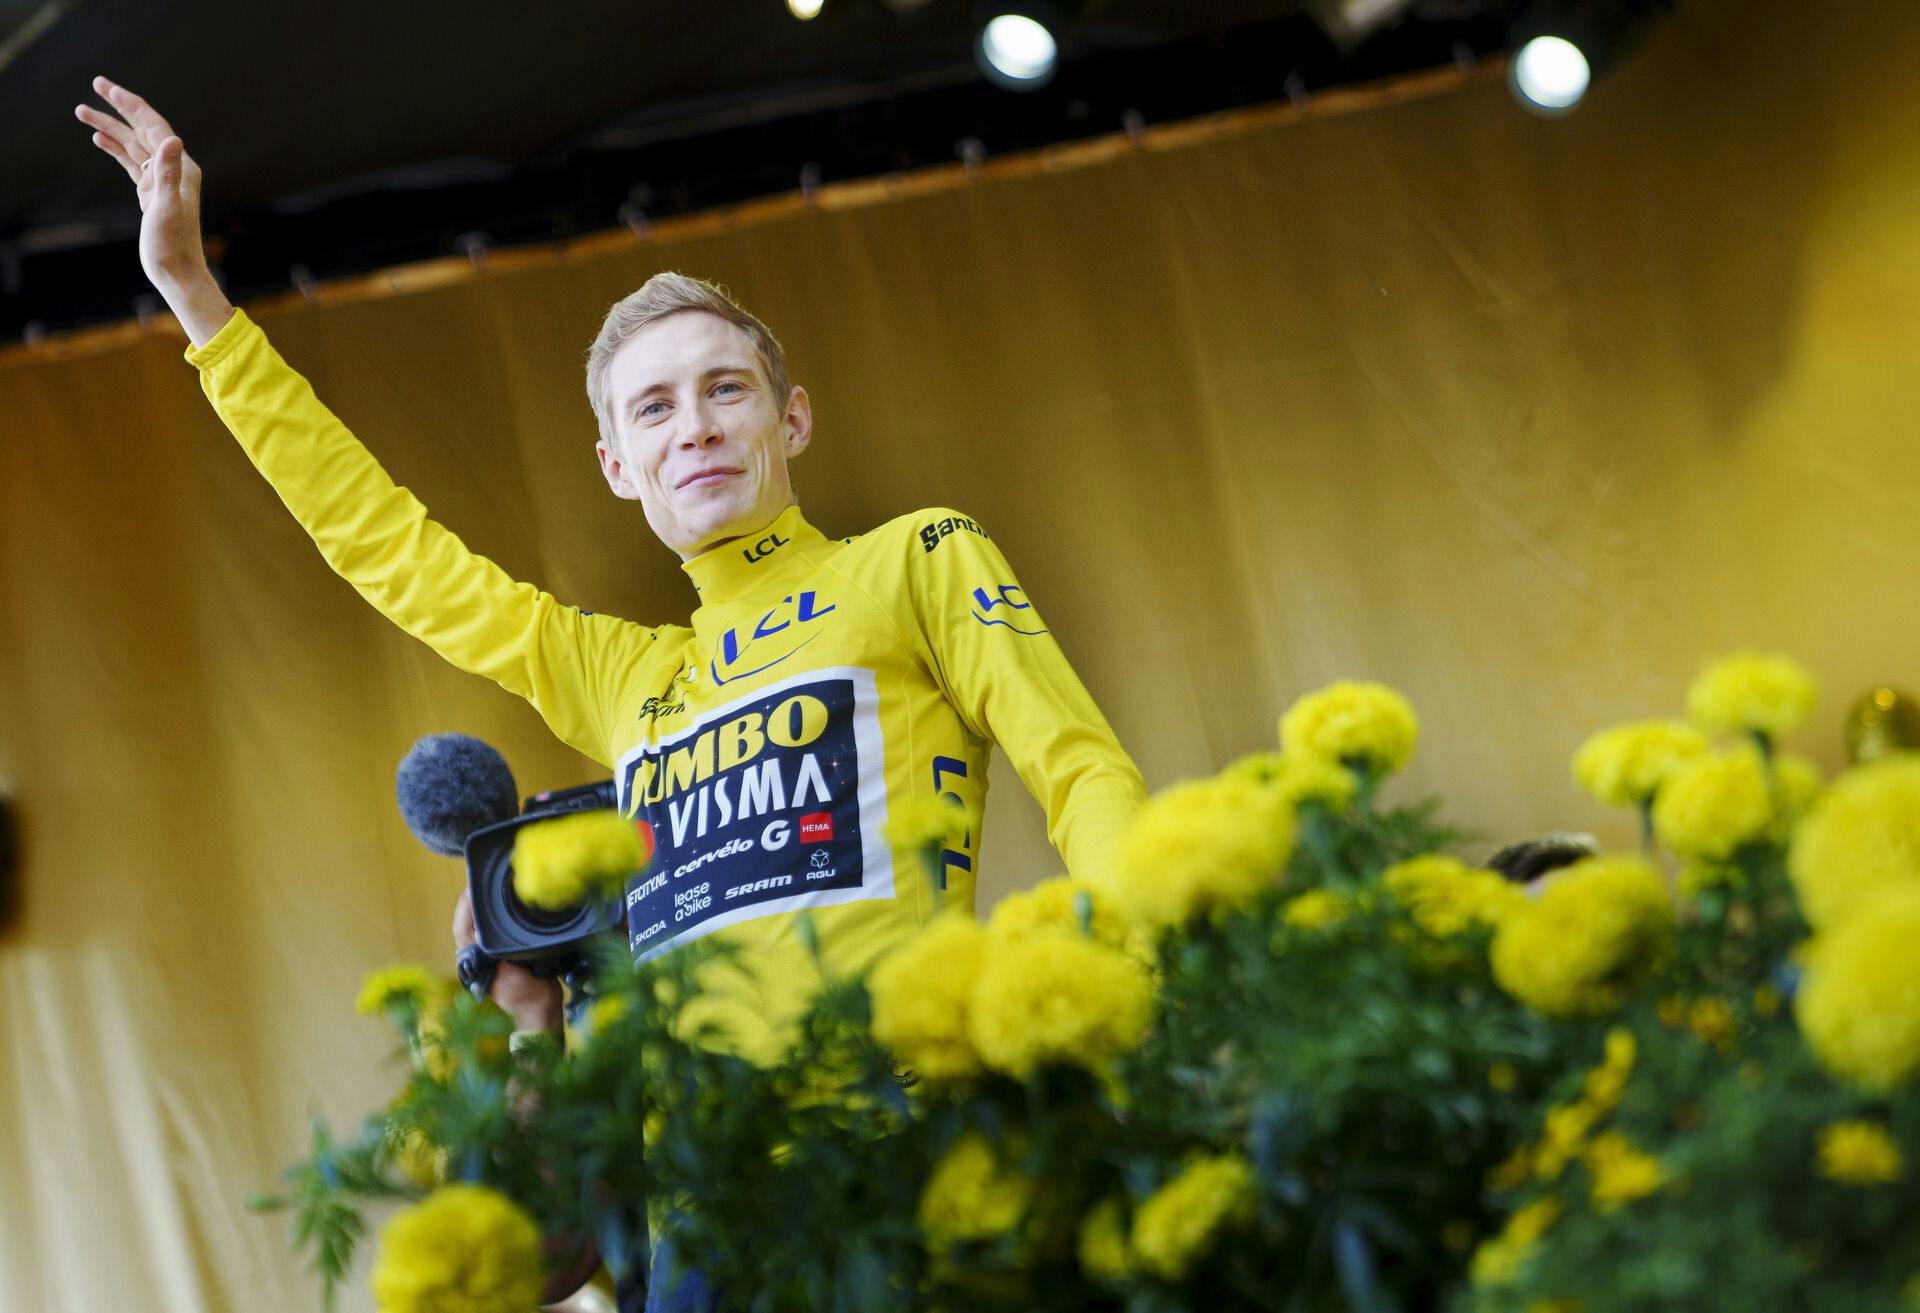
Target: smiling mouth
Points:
(704, 480)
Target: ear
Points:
(798, 422)
(616, 471)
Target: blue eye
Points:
(727, 385)
(649, 408)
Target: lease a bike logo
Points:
(1006, 604)
(787, 627)
(772, 803)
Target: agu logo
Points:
(816, 827)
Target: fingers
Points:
(463, 920)
(119, 152)
(112, 127)
(147, 124)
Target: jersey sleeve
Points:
(1004, 673)
(569, 664)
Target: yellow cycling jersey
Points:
(820, 682)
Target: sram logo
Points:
(759, 886)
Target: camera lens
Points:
(538, 918)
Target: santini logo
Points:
(932, 535)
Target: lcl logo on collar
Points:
(791, 618)
(766, 547)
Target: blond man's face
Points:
(699, 440)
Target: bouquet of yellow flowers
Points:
(1286, 1054)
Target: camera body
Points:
(507, 929)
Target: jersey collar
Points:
(755, 563)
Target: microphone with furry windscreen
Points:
(457, 795)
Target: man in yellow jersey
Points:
(820, 682)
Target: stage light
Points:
(805, 9)
(1017, 51)
(1550, 74)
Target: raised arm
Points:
(570, 664)
(167, 181)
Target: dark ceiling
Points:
(350, 135)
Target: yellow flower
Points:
(1591, 933)
(1316, 909)
(1796, 783)
(972, 1195)
(1055, 998)
(923, 821)
(1752, 692)
(1502, 1078)
(1446, 897)
(403, 982)
(1697, 878)
(1712, 1020)
(1356, 723)
(920, 997)
(1621, 1173)
(561, 862)
(1564, 1131)
(1052, 907)
(1859, 1153)
(1497, 1261)
(1711, 807)
(1178, 1224)
(1201, 847)
(1766, 1002)
(1297, 776)
(1859, 1001)
(419, 1159)
(1862, 836)
(1605, 1084)
(1626, 765)
(1511, 1172)
(606, 1012)
(463, 1249)
(1103, 1250)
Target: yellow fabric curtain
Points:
(1523, 417)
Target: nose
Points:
(701, 431)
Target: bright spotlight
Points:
(805, 9)
(1550, 74)
(1017, 52)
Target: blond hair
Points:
(666, 294)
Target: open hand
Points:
(165, 178)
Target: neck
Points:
(752, 562)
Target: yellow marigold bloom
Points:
(1796, 783)
(1859, 1002)
(1057, 999)
(1753, 692)
(1561, 1136)
(1605, 1084)
(1178, 1225)
(923, 821)
(920, 997)
(1200, 847)
(1859, 1153)
(1053, 907)
(1497, 1261)
(1446, 897)
(1315, 909)
(1626, 765)
(419, 1159)
(1297, 776)
(561, 862)
(1590, 934)
(1697, 878)
(1511, 1172)
(463, 1249)
(972, 1195)
(608, 1011)
(1103, 1250)
(1621, 1173)
(1712, 1020)
(403, 982)
(1352, 722)
(1711, 807)
(1862, 836)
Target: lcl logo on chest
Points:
(783, 630)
